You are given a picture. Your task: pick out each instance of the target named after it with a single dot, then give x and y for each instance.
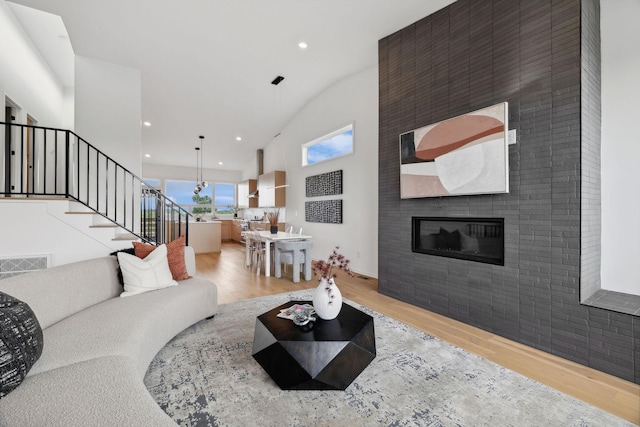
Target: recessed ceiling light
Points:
(220, 163)
(147, 124)
(238, 138)
(302, 45)
(147, 155)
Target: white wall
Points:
(43, 228)
(151, 170)
(27, 79)
(353, 99)
(620, 33)
(108, 110)
(104, 108)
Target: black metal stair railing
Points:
(47, 162)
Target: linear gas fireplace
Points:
(473, 239)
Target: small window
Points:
(335, 144)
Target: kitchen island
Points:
(205, 236)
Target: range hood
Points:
(260, 169)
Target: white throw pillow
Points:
(144, 275)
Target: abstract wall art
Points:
(464, 155)
(324, 184)
(326, 211)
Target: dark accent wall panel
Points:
(468, 56)
(590, 152)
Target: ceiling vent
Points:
(277, 80)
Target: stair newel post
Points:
(106, 185)
(186, 230)
(67, 162)
(55, 162)
(97, 175)
(133, 202)
(30, 161)
(115, 193)
(44, 161)
(78, 167)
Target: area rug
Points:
(206, 376)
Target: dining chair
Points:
(246, 236)
(291, 230)
(257, 251)
(295, 253)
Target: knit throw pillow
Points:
(175, 256)
(21, 342)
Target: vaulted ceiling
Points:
(207, 65)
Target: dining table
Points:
(269, 239)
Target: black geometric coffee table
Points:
(328, 357)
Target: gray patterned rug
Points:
(206, 376)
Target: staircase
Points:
(100, 227)
(41, 163)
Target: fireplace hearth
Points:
(473, 239)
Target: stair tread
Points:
(81, 213)
(104, 226)
(125, 237)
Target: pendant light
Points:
(278, 102)
(200, 182)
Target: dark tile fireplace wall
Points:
(470, 55)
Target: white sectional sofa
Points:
(98, 346)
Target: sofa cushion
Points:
(20, 342)
(175, 256)
(100, 392)
(144, 275)
(58, 292)
(136, 327)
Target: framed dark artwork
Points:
(324, 184)
(325, 211)
(464, 155)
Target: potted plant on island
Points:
(327, 298)
(272, 217)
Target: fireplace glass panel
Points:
(473, 239)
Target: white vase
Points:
(327, 299)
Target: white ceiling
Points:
(207, 65)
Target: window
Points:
(152, 182)
(181, 192)
(225, 198)
(335, 144)
(216, 197)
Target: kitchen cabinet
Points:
(245, 188)
(263, 226)
(236, 230)
(270, 196)
(226, 229)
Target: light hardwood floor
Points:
(622, 398)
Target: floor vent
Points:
(22, 264)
